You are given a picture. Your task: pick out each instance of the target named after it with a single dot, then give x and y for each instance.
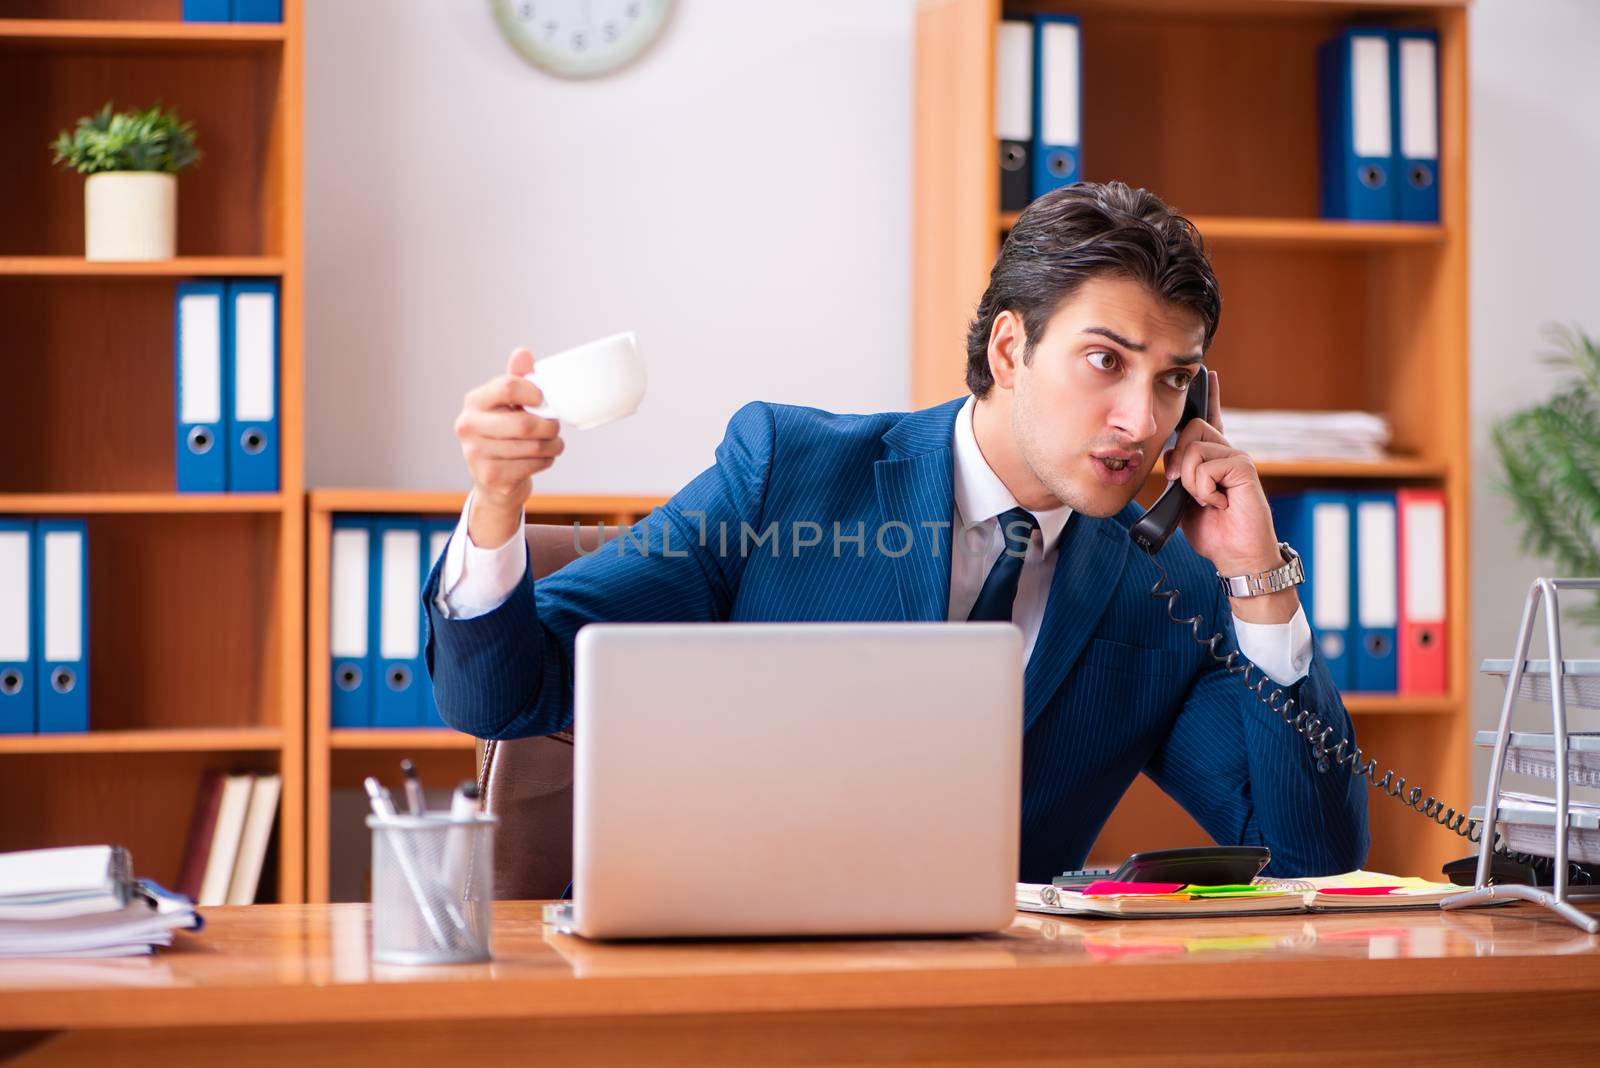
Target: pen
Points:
(383, 808)
(414, 798)
(463, 812)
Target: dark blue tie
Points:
(1000, 588)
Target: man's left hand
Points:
(1231, 524)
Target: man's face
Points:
(1102, 392)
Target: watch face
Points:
(581, 38)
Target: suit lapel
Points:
(915, 491)
(915, 487)
(1088, 571)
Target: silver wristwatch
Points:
(1265, 582)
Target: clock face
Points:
(581, 38)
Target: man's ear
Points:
(1007, 339)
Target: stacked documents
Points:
(1352, 891)
(84, 902)
(1290, 435)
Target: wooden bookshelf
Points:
(1212, 105)
(338, 760)
(177, 267)
(1222, 230)
(137, 35)
(196, 628)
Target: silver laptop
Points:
(796, 779)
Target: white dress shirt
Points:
(476, 581)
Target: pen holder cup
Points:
(432, 883)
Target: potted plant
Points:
(132, 160)
(1551, 457)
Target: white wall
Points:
(739, 197)
(1535, 164)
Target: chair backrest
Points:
(527, 782)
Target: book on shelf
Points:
(229, 835)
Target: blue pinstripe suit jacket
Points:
(1112, 688)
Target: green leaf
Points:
(1550, 454)
(150, 140)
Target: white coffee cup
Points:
(591, 385)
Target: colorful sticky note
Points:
(1108, 888)
(1359, 891)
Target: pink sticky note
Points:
(1359, 891)
(1106, 886)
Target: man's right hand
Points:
(504, 447)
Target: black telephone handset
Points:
(1151, 532)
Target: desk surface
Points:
(271, 964)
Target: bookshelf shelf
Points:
(195, 602)
(1377, 704)
(217, 740)
(446, 503)
(1317, 314)
(384, 740)
(1333, 234)
(142, 34)
(139, 503)
(178, 267)
(1393, 468)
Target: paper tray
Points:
(1580, 681)
(1529, 753)
(1528, 824)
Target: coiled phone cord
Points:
(1310, 726)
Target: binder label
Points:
(400, 637)
(348, 624)
(63, 603)
(1058, 121)
(1013, 98)
(14, 596)
(1419, 105)
(437, 544)
(1369, 81)
(1330, 577)
(254, 327)
(1377, 604)
(1424, 556)
(200, 391)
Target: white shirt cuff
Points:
(1281, 650)
(476, 581)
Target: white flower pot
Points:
(130, 215)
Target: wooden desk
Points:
(277, 985)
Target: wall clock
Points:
(581, 38)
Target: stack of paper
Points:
(83, 902)
(1107, 898)
(1290, 435)
(1352, 891)
(1367, 891)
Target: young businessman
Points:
(1012, 503)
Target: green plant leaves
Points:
(1551, 457)
(150, 140)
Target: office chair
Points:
(527, 782)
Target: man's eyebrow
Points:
(1106, 331)
(1139, 346)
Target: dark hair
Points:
(1072, 234)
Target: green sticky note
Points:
(1234, 890)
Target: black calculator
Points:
(1198, 865)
